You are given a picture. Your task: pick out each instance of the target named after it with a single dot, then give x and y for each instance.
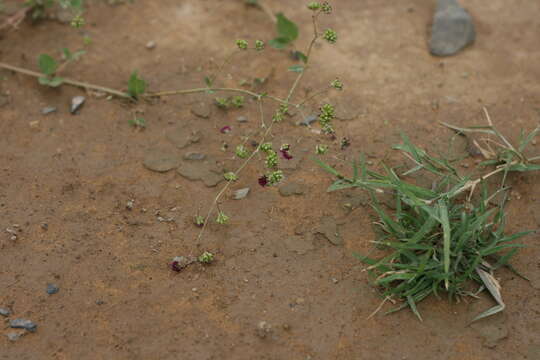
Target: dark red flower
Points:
(225, 129)
(175, 266)
(263, 181)
(285, 154)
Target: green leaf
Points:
(446, 238)
(208, 81)
(136, 85)
(300, 55)
(47, 64)
(56, 81)
(286, 28)
(296, 68)
(43, 80)
(67, 54)
(279, 42)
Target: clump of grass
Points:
(437, 239)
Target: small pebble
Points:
(5, 312)
(263, 329)
(129, 205)
(45, 226)
(76, 103)
(52, 289)
(23, 324)
(194, 156)
(241, 119)
(241, 193)
(100, 302)
(150, 45)
(335, 281)
(48, 110)
(308, 120)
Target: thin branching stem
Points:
(67, 81)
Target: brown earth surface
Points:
(119, 300)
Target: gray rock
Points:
(241, 193)
(13, 336)
(208, 172)
(23, 324)
(76, 103)
(161, 160)
(242, 119)
(292, 189)
(48, 110)
(5, 312)
(194, 156)
(151, 45)
(452, 29)
(52, 289)
(308, 120)
(201, 109)
(492, 334)
(182, 136)
(328, 228)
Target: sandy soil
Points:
(119, 300)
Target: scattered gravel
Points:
(52, 289)
(76, 103)
(241, 193)
(23, 324)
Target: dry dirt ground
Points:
(119, 300)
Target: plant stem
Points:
(67, 81)
(308, 53)
(199, 90)
(226, 186)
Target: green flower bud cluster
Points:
(271, 159)
(206, 257)
(314, 5)
(325, 118)
(275, 177)
(230, 176)
(321, 149)
(337, 84)
(222, 219)
(278, 116)
(242, 44)
(330, 36)
(326, 7)
(242, 152)
(259, 45)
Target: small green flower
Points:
(242, 44)
(77, 22)
(321, 149)
(277, 117)
(230, 176)
(337, 84)
(327, 114)
(314, 5)
(206, 258)
(222, 218)
(330, 36)
(259, 45)
(237, 101)
(328, 129)
(271, 159)
(242, 152)
(275, 177)
(222, 103)
(266, 147)
(326, 7)
(198, 220)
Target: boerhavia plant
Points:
(444, 237)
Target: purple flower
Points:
(175, 266)
(285, 154)
(225, 129)
(263, 181)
